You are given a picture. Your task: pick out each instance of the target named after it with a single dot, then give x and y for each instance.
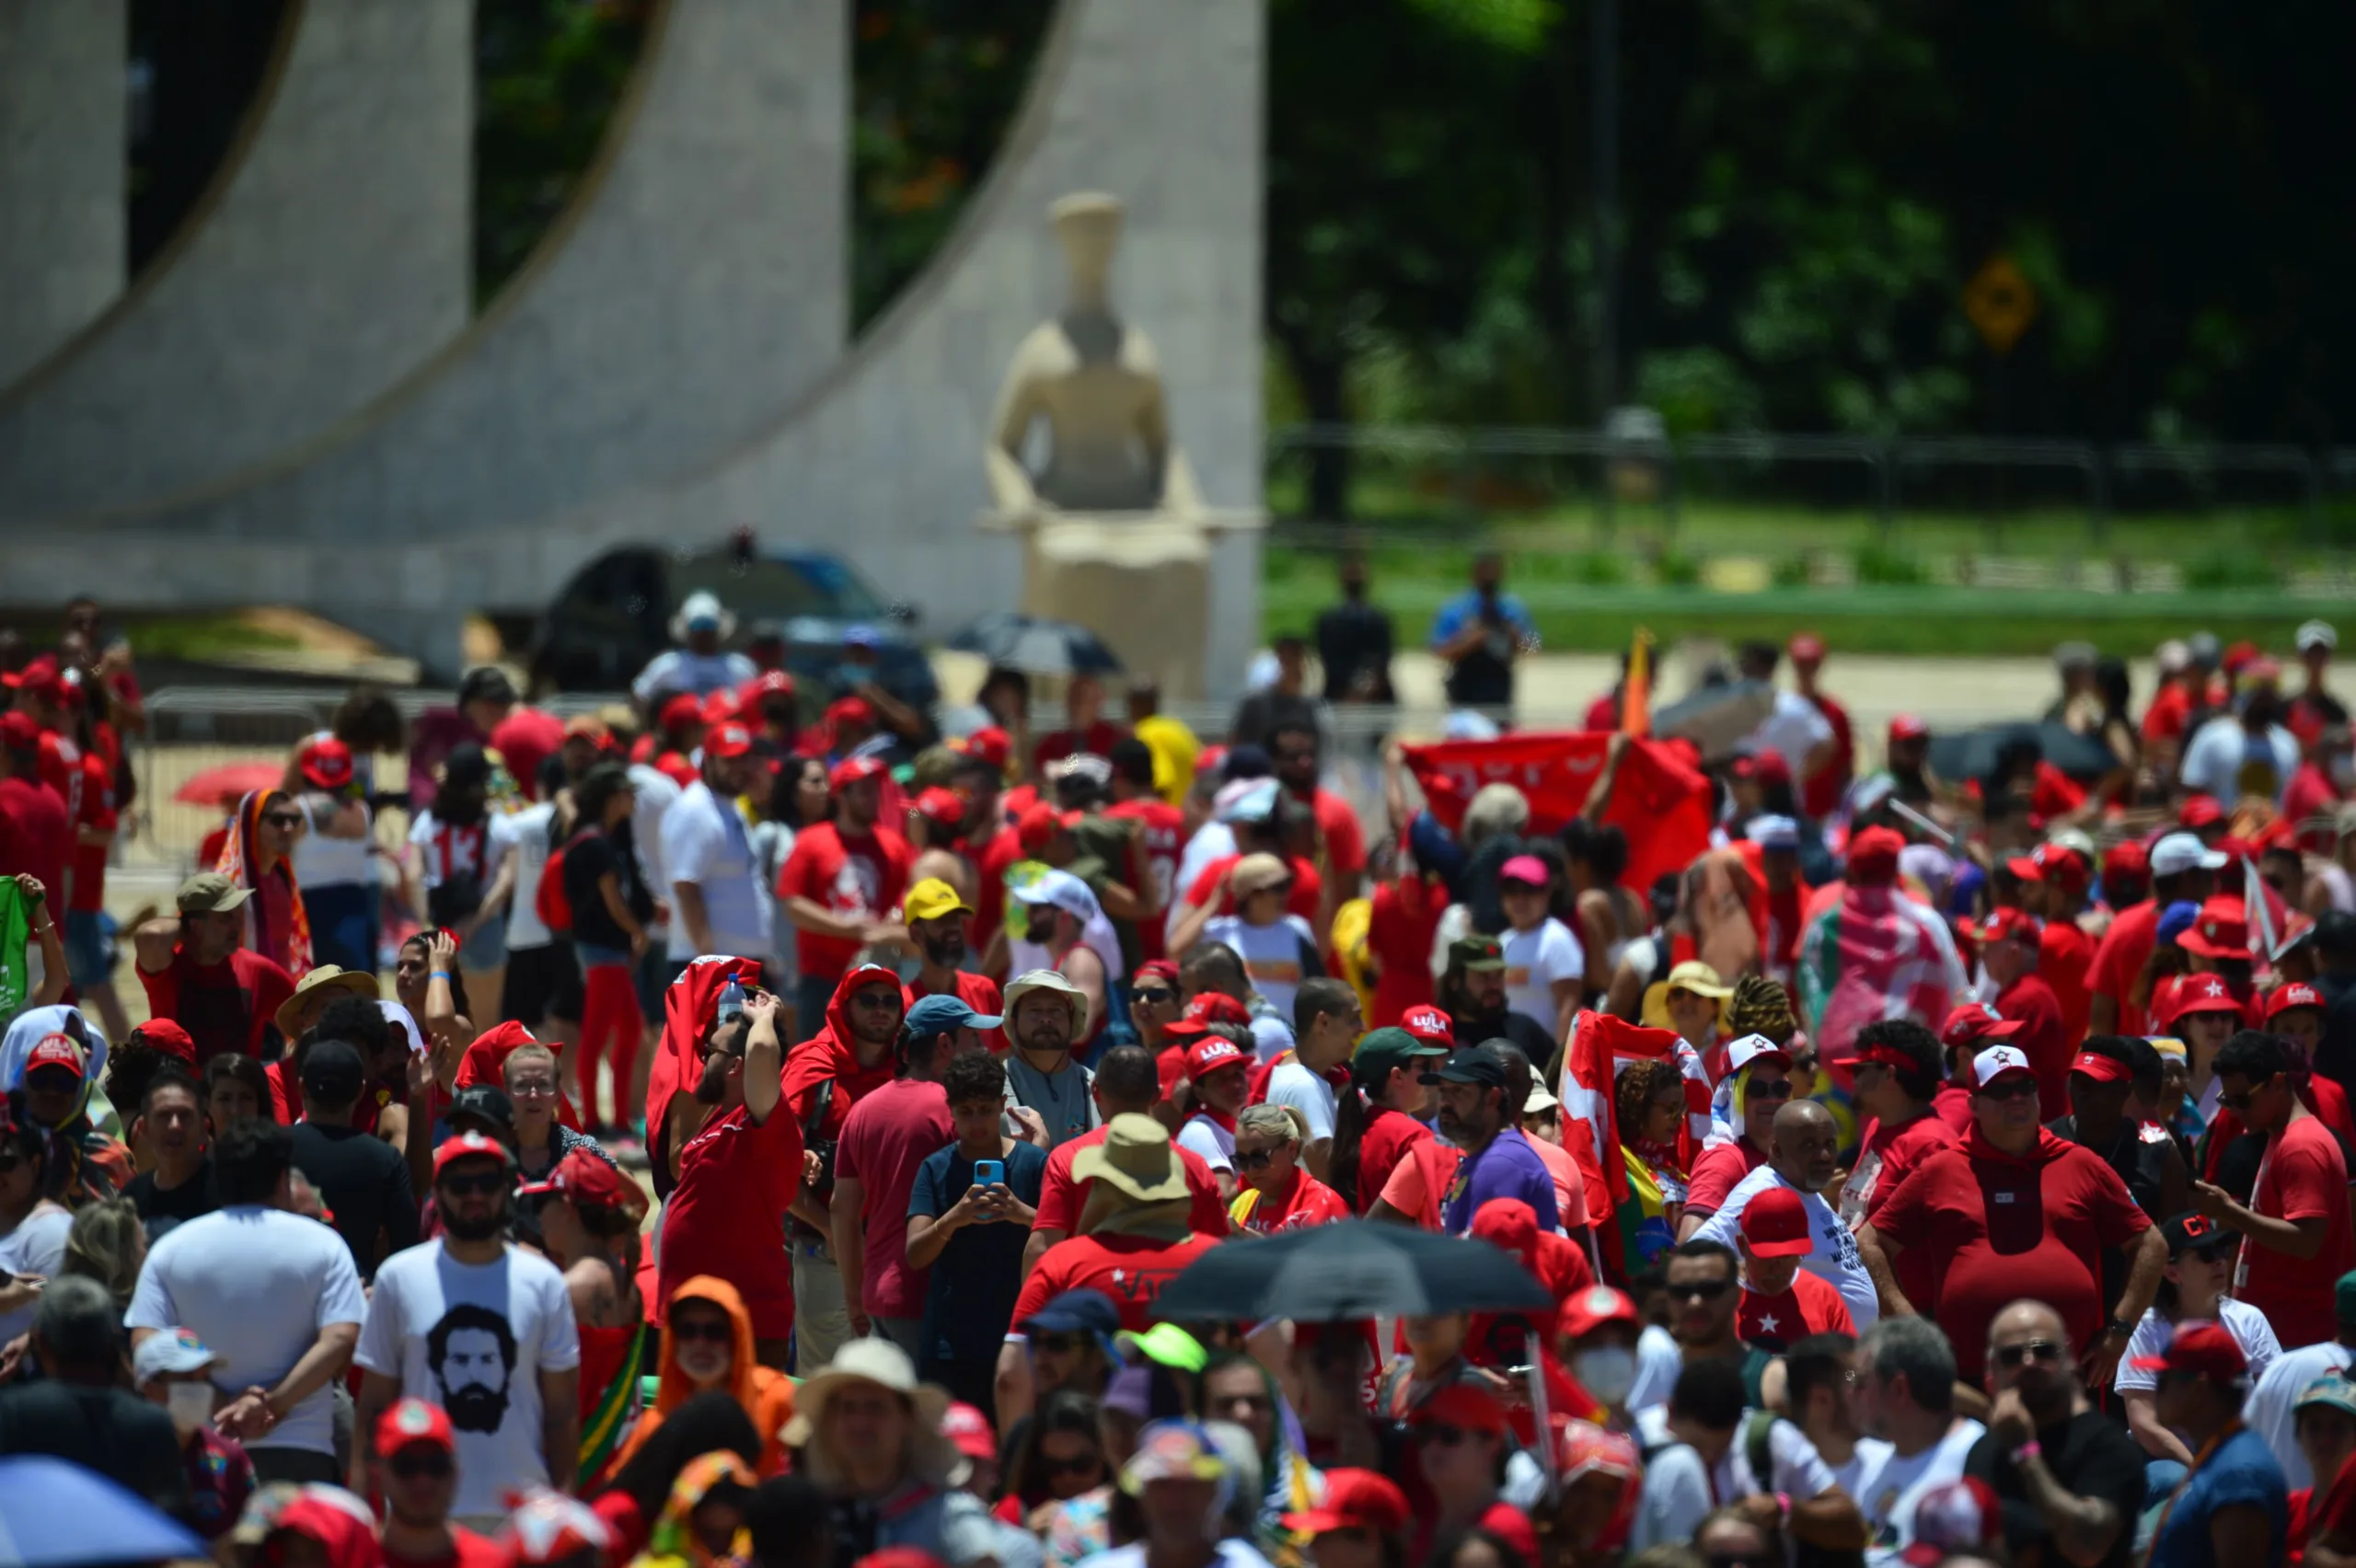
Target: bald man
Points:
(1803, 1153)
(2049, 1449)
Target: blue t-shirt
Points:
(2240, 1470)
(1508, 1167)
(970, 1298)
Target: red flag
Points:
(1660, 803)
(1598, 1047)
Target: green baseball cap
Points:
(1383, 1049)
(210, 892)
(2332, 1388)
(2343, 1299)
(1476, 952)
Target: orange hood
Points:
(767, 1396)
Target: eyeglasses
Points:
(1256, 1160)
(1079, 1464)
(2010, 1089)
(531, 1091)
(2216, 1252)
(418, 1461)
(1700, 1289)
(1768, 1088)
(1437, 1434)
(1054, 1345)
(2011, 1356)
(713, 1330)
(489, 1184)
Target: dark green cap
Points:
(2343, 1299)
(1383, 1049)
(1476, 952)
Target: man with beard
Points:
(482, 1326)
(1803, 1155)
(2048, 1451)
(937, 920)
(1045, 1012)
(1498, 1161)
(1473, 993)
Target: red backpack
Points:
(548, 900)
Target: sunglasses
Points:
(418, 1461)
(1153, 995)
(881, 1001)
(1700, 1290)
(1256, 1160)
(2214, 1252)
(711, 1330)
(1080, 1464)
(2011, 1089)
(2012, 1355)
(1054, 1345)
(489, 1184)
(1769, 1088)
(281, 819)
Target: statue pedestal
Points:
(1138, 579)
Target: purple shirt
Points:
(1508, 1167)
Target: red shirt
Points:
(34, 834)
(1060, 1197)
(980, 992)
(223, 1006)
(991, 862)
(1717, 1170)
(855, 876)
(2030, 1002)
(887, 1135)
(1998, 1228)
(2304, 1177)
(1952, 1105)
(97, 811)
(1311, 1202)
(1389, 1136)
(2065, 959)
(1887, 1158)
(2311, 794)
(1809, 1306)
(1403, 916)
(1337, 824)
(2119, 959)
(1820, 791)
(2170, 712)
(1161, 838)
(1308, 888)
(61, 769)
(469, 1551)
(736, 1179)
(1603, 713)
(524, 739)
(1130, 1269)
(1097, 740)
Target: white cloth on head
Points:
(1832, 1257)
(398, 1016)
(26, 1029)
(1070, 894)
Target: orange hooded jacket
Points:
(766, 1395)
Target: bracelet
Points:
(441, 974)
(2027, 1451)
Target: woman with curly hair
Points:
(1648, 1108)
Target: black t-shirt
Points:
(2091, 1456)
(586, 862)
(364, 1183)
(192, 1199)
(119, 1436)
(1354, 639)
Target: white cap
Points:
(172, 1351)
(2071, 839)
(2316, 634)
(2174, 656)
(1253, 800)
(1773, 832)
(1996, 1061)
(2177, 853)
(1539, 1098)
(1749, 1049)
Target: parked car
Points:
(615, 612)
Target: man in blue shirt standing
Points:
(1498, 1161)
(1480, 633)
(2233, 1508)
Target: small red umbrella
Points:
(230, 781)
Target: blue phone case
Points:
(989, 1172)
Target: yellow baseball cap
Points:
(932, 898)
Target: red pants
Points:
(609, 1008)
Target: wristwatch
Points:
(2118, 1331)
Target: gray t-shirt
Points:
(1065, 1099)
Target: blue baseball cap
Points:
(939, 1015)
(863, 636)
(1075, 1312)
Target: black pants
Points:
(297, 1465)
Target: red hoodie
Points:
(687, 1010)
(828, 1057)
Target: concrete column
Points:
(62, 104)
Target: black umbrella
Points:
(1971, 753)
(1349, 1270)
(1036, 645)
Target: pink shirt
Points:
(887, 1135)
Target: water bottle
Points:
(731, 1001)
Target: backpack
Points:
(548, 900)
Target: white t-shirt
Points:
(474, 1338)
(1294, 1085)
(1794, 728)
(322, 862)
(2225, 760)
(1833, 1259)
(1678, 1493)
(1212, 841)
(2267, 1411)
(698, 674)
(705, 842)
(444, 851)
(1275, 957)
(36, 1247)
(2154, 1334)
(258, 1286)
(1890, 1487)
(1535, 959)
(528, 830)
(652, 792)
(1208, 1139)
(1658, 1361)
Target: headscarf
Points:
(675, 1539)
(291, 950)
(687, 1006)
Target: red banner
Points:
(1662, 805)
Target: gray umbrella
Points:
(1348, 1270)
(1036, 645)
(1716, 717)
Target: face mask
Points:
(190, 1404)
(1608, 1374)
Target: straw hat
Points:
(1032, 980)
(1136, 1159)
(886, 1365)
(327, 978)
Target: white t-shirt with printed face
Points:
(1294, 1085)
(705, 842)
(474, 1338)
(1890, 1487)
(257, 1286)
(1535, 959)
(1834, 1259)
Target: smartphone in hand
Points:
(989, 1172)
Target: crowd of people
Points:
(773, 1139)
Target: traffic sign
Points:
(2000, 302)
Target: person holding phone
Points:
(968, 1219)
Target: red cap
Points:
(2206, 1350)
(2185, 994)
(326, 764)
(2298, 994)
(166, 1035)
(55, 1051)
(2200, 812)
(1806, 648)
(1973, 1023)
(761, 687)
(681, 712)
(720, 705)
(1462, 1405)
(1206, 1008)
(2009, 925)
(727, 739)
(941, 806)
(1429, 1025)
(582, 1177)
(17, 730)
(2221, 930)
(41, 679)
(968, 1431)
(851, 770)
(470, 1146)
(900, 1557)
(1766, 766)
(2237, 655)
(1907, 727)
(1999, 1062)
(989, 743)
(1354, 1499)
(1873, 855)
(1159, 969)
(1209, 1054)
(851, 710)
(1774, 1224)
(1171, 1066)
(1953, 1518)
(413, 1420)
(1038, 823)
(2127, 859)
(1594, 1307)
(2101, 1068)
(1886, 1055)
